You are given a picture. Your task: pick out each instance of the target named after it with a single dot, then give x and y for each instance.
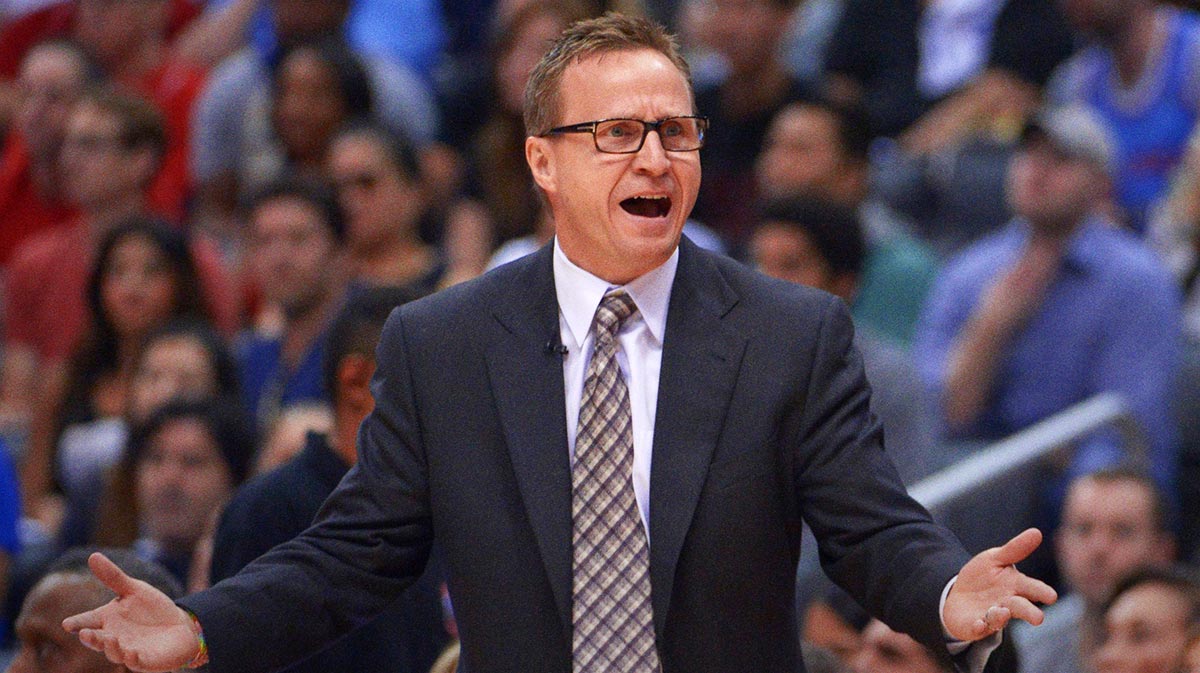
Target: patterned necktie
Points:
(613, 627)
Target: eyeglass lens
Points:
(677, 134)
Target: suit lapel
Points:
(701, 357)
(527, 379)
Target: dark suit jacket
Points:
(277, 506)
(762, 419)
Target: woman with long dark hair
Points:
(143, 277)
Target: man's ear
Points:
(354, 378)
(541, 163)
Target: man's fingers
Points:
(1021, 608)
(996, 618)
(84, 620)
(1037, 591)
(113, 577)
(91, 640)
(1019, 548)
(112, 649)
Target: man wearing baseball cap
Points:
(1057, 306)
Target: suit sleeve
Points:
(875, 541)
(370, 541)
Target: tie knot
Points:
(614, 309)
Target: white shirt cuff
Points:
(951, 641)
(975, 655)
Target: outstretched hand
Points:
(141, 628)
(990, 591)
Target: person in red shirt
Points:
(112, 148)
(130, 42)
(51, 80)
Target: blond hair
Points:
(609, 33)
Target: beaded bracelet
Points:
(201, 657)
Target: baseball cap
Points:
(1074, 130)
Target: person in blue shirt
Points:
(1141, 74)
(296, 257)
(1056, 307)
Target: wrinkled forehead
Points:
(621, 82)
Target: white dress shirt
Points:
(640, 354)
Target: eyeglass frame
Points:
(592, 126)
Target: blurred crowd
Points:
(209, 207)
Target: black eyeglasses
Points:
(626, 136)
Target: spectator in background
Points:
(1141, 76)
(112, 148)
(287, 435)
(888, 651)
(808, 39)
(51, 79)
(378, 182)
(820, 244)
(275, 507)
(182, 464)
(183, 360)
(1147, 622)
(1113, 522)
(834, 622)
(316, 90)
(66, 588)
(297, 259)
(497, 177)
(748, 34)
(129, 41)
(144, 276)
(369, 28)
(501, 217)
(931, 73)
(947, 84)
(1054, 308)
(821, 149)
(56, 19)
(402, 102)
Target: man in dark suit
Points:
(653, 526)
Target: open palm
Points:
(990, 591)
(141, 628)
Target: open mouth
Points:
(647, 206)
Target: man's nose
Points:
(652, 158)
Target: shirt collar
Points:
(579, 294)
(1079, 254)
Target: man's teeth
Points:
(648, 206)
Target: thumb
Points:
(1019, 548)
(113, 577)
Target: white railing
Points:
(1039, 442)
